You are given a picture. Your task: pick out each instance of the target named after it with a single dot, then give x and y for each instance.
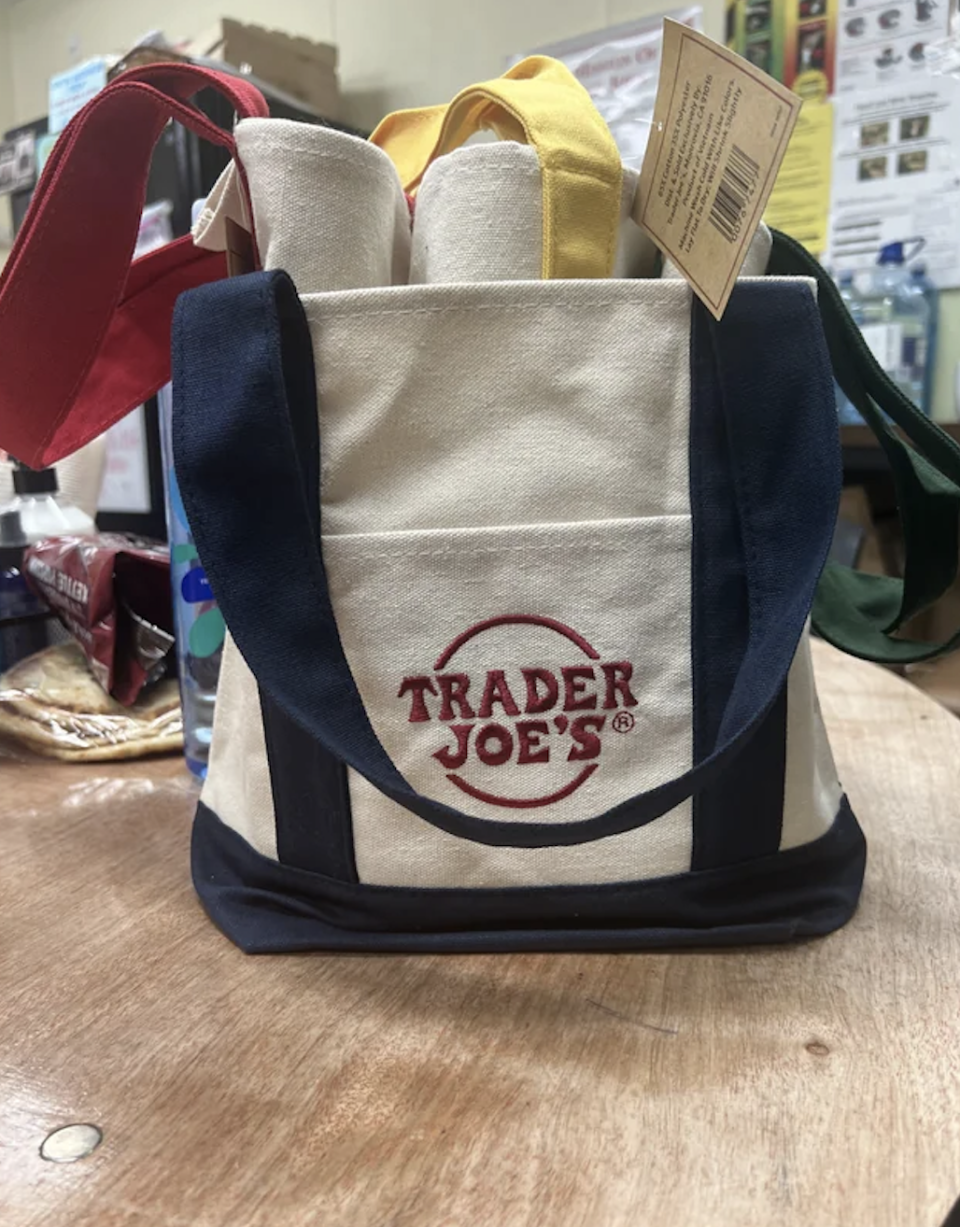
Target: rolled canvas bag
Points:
(516, 545)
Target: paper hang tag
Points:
(720, 130)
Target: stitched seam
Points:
(480, 172)
(561, 167)
(608, 525)
(500, 308)
(330, 157)
(567, 168)
(467, 552)
(812, 311)
(743, 494)
(344, 828)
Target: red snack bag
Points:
(112, 593)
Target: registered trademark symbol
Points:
(622, 722)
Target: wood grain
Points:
(810, 1086)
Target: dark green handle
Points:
(862, 613)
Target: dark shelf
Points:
(863, 436)
(862, 453)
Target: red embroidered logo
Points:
(530, 717)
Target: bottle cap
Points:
(34, 481)
(892, 253)
(12, 541)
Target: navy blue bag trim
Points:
(266, 907)
(311, 835)
(243, 380)
(311, 798)
(740, 815)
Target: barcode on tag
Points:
(720, 129)
(737, 185)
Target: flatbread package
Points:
(51, 704)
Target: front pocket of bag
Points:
(534, 673)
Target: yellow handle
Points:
(541, 103)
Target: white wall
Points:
(401, 53)
(7, 111)
(6, 80)
(47, 36)
(393, 53)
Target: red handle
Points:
(85, 333)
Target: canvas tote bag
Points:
(516, 545)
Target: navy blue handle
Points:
(247, 455)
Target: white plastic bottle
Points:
(42, 511)
(895, 322)
(34, 513)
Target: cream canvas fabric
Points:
(479, 217)
(395, 847)
(505, 514)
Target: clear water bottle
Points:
(921, 284)
(846, 413)
(198, 623)
(895, 322)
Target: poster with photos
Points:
(620, 69)
(897, 176)
(792, 40)
(884, 42)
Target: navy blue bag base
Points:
(266, 907)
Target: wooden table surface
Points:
(815, 1086)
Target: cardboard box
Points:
(304, 69)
